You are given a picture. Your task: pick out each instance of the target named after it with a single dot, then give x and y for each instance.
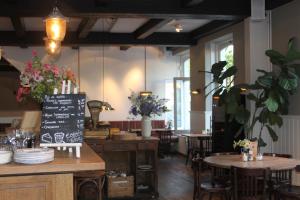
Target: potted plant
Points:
(269, 94)
(146, 107)
(39, 79)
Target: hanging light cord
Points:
(103, 63)
(145, 65)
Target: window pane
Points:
(186, 68)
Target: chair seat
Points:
(214, 186)
(290, 191)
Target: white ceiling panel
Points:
(128, 25)
(37, 24)
(103, 23)
(187, 25)
(5, 24)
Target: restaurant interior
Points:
(148, 99)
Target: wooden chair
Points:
(288, 191)
(208, 187)
(164, 146)
(201, 147)
(250, 184)
(279, 178)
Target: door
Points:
(182, 103)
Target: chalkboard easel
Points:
(63, 121)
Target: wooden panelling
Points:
(42, 187)
(120, 147)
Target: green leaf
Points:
(228, 73)
(218, 92)
(217, 69)
(275, 119)
(296, 67)
(271, 103)
(252, 97)
(242, 115)
(272, 133)
(261, 143)
(275, 57)
(292, 54)
(288, 83)
(265, 80)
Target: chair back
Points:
(249, 184)
(207, 146)
(164, 136)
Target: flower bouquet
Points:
(38, 79)
(147, 107)
(245, 145)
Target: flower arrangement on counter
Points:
(147, 105)
(39, 79)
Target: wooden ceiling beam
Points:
(210, 28)
(128, 8)
(35, 38)
(85, 26)
(177, 50)
(187, 3)
(150, 27)
(19, 26)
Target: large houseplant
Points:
(147, 107)
(269, 94)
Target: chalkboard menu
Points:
(63, 118)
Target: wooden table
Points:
(200, 137)
(274, 163)
(56, 180)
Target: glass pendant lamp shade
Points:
(56, 25)
(53, 47)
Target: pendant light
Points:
(53, 47)
(56, 25)
(145, 92)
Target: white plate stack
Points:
(33, 156)
(5, 156)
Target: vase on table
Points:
(146, 127)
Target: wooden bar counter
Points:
(61, 179)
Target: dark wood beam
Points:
(150, 27)
(124, 48)
(188, 3)
(85, 26)
(130, 8)
(35, 38)
(19, 26)
(177, 50)
(210, 28)
(272, 4)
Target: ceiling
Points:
(122, 22)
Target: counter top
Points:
(63, 162)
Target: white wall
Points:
(124, 71)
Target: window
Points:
(224, 52)
(182, 96)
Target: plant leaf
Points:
(271, 103)
(228, 73)
(272, 133)
(276, 58)
(242, 115)
(261, 143)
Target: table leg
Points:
(188, 150)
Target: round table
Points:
(274, 163)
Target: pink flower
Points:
(22, 91)
(55, 71)
(47, 67)
(28, 67)
(34, 53)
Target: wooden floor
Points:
(175, 179)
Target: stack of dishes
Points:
(145, 167)
(33, 156)
(5, 156)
